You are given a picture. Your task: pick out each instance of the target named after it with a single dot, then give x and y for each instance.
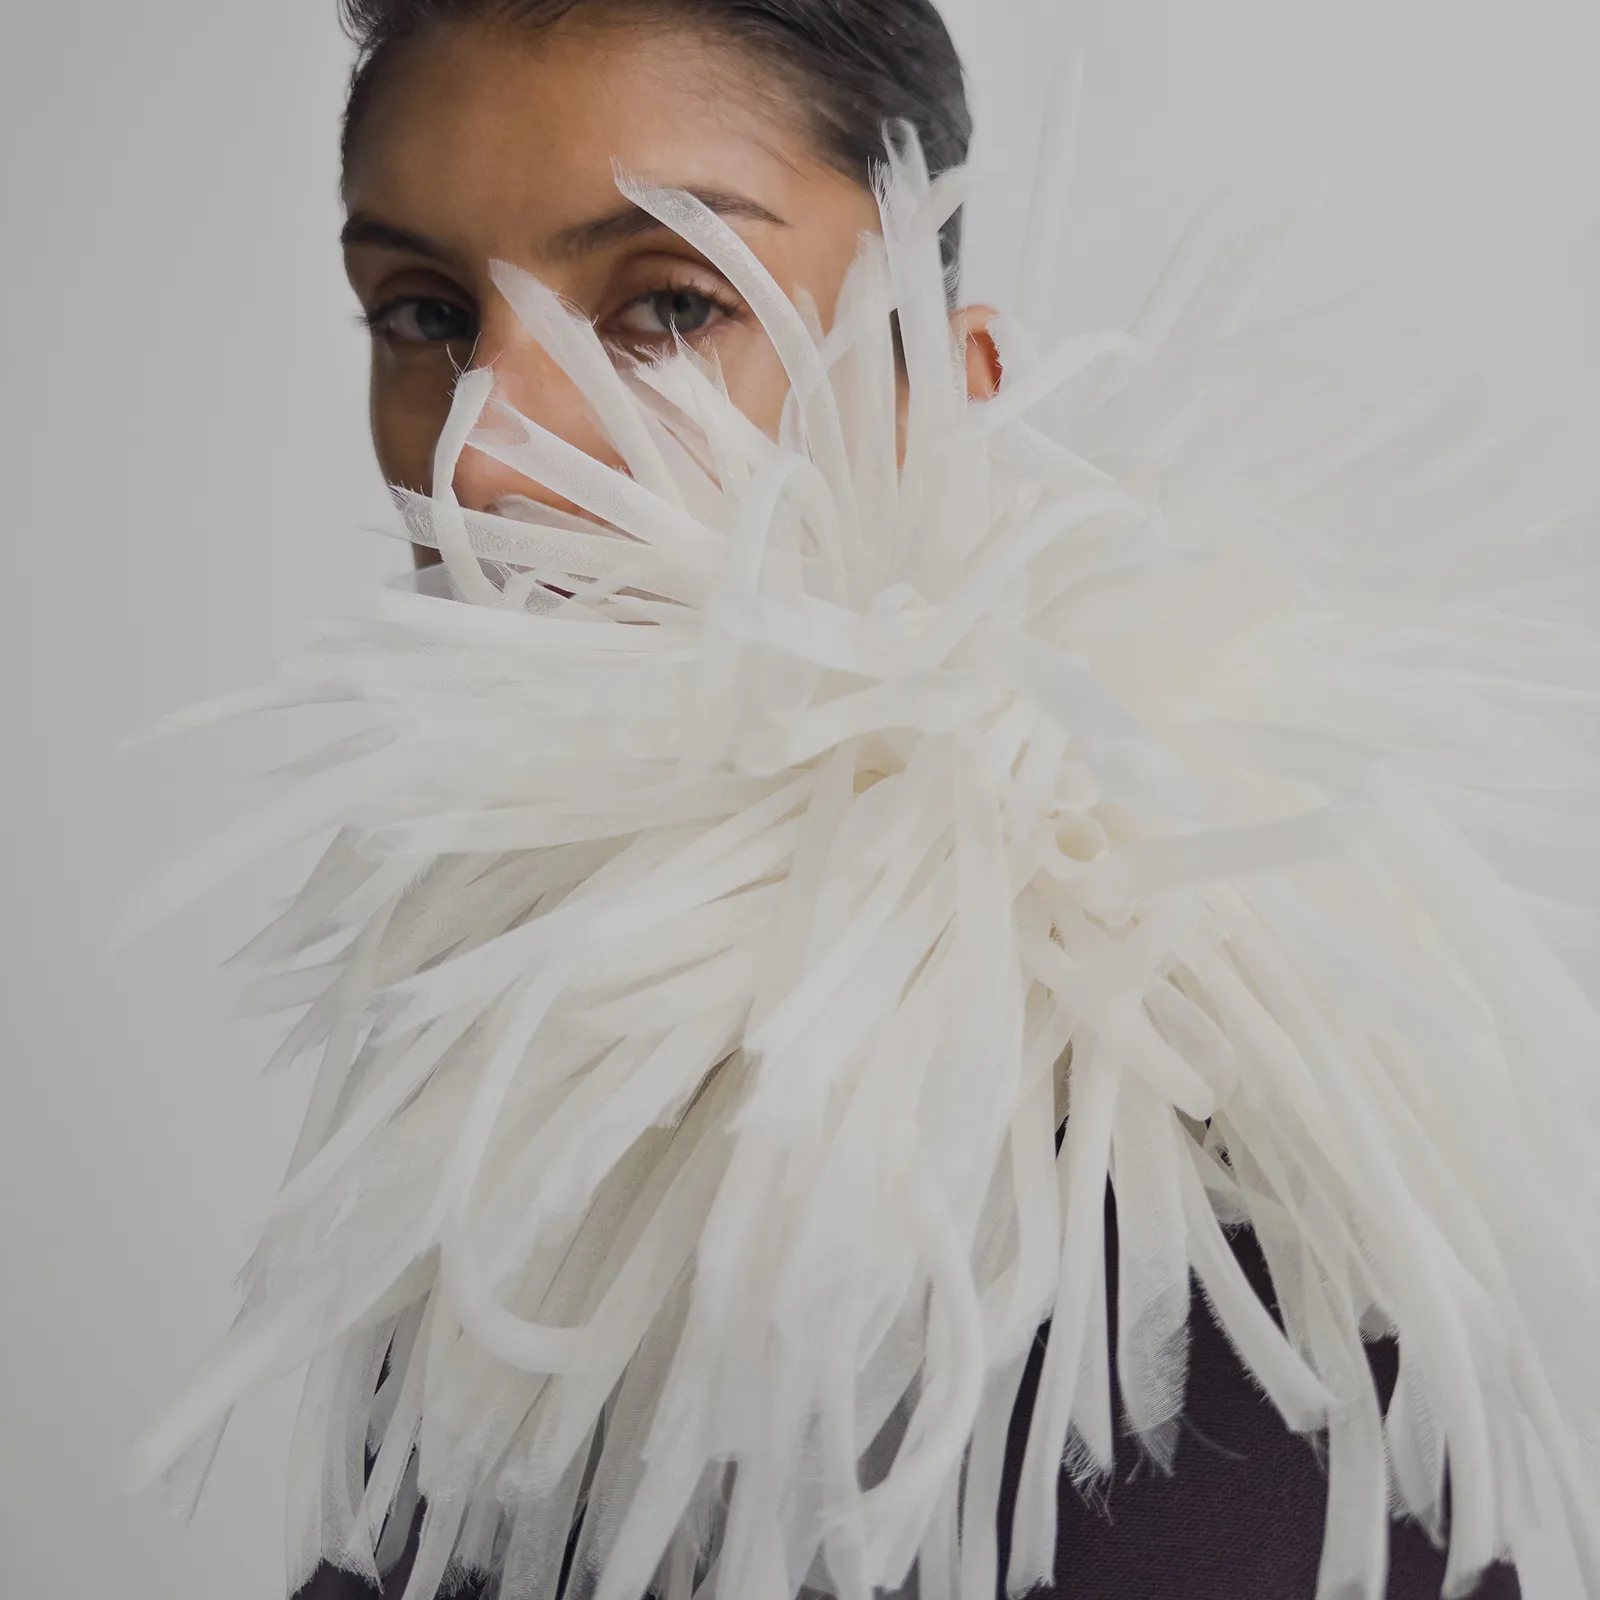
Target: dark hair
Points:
(859, 64)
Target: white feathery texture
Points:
(746, 881)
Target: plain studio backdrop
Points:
(188, 483)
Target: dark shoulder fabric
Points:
(1240, 1518)
(329, 1583)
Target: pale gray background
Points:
(186, 477)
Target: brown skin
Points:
(486, 142)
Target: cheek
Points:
(757, 383)
(408, 402)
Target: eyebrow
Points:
(361, 229)
(628, 221)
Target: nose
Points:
(526, 378)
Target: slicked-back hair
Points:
(851, 66)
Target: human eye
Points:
(422, 319)
(657, 318)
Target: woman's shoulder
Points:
(1239, 1517)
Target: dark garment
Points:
(1240, 1517)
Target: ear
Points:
(983, 360)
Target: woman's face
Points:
(485, 143)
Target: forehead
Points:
(473, 123)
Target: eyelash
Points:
(375, 321)
(725, 304)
